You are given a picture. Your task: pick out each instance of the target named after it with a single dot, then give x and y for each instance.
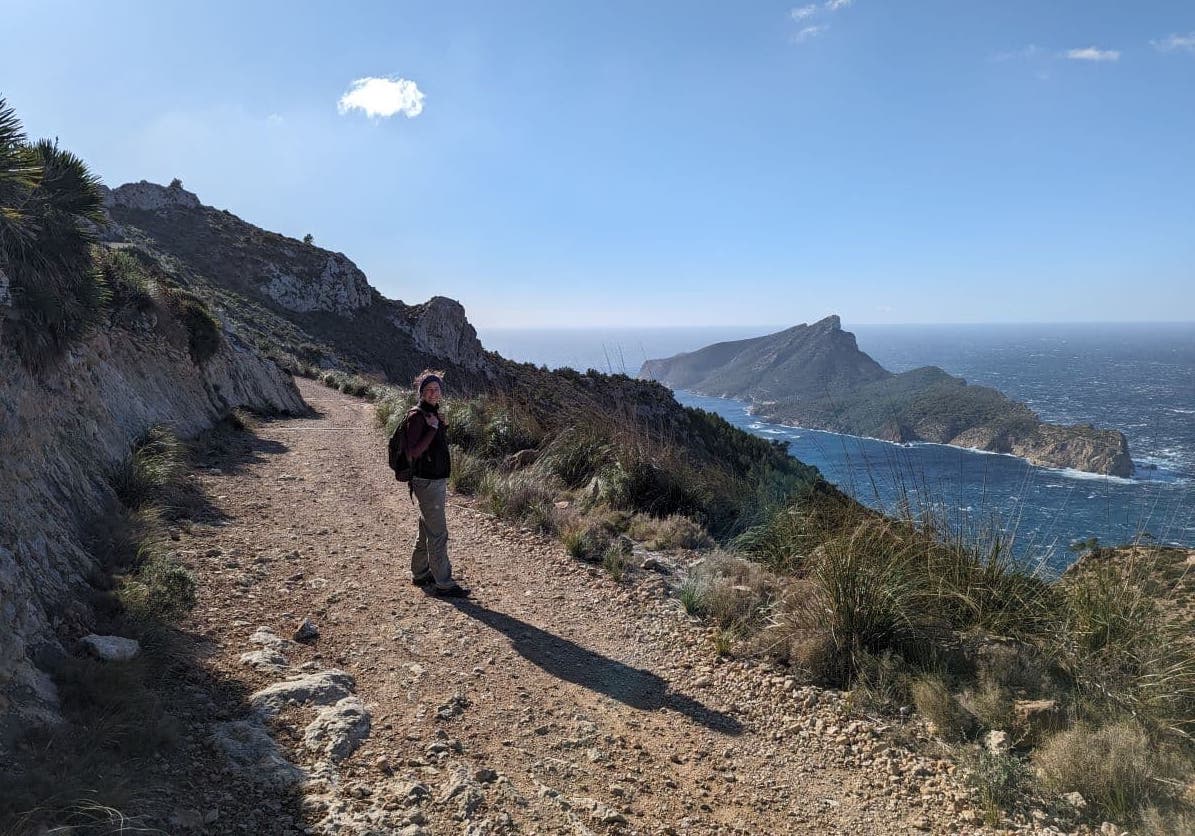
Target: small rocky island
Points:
(815, 376)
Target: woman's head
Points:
(429, 386)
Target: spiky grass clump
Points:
(1125, 656)
(514, 496)
(616, 559)
(156, 465)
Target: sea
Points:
(1137, 378)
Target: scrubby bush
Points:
(159, 589)
(996, 777)
(1115, 768)
(934, 701)
(691, 594)
(587, 538)
(203, 331)
(574, 456)
(1123, 653)
(616, 558)
(667, 533)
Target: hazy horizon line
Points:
(775, 326)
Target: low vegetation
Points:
(82, 774)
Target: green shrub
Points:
(159, 589)
(574, 456)
(691, 595)
(724, 640)
(997, 778)
(514, 495)
(735, 593)
(869, 598)
(1123, 654)
(508, 432)
(203, 331)
(587, 538)
(47, 204)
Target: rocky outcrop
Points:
(440, 329)
(150, 197)
(815, 376)
(60, 435)
(339, 287)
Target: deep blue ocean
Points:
(1139, 379)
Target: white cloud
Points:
(835, 5)
(1174, 42)
(809, 32)
(382, 97)
(1090, 53)
(1021, 54)
(802, 12)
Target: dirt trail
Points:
(556, 701)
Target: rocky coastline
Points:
(815, 376)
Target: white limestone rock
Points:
(339, 729)
(319, 688)
(111, 648)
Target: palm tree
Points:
(48, 204)
(19, 175)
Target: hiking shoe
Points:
(454, 591)
(424, 580)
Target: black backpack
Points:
(399, 463)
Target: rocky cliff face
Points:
(60, 435)
(816, 376)
(294, 298)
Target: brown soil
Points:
(598, 705)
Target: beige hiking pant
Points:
(430, 556)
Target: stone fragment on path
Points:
(454, 707)
(339, 729)
(320, 688)
(306, 632)
(463, 793)
(266, 659)
(111, 648)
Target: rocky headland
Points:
(816, 376)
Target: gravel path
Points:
(555, 701)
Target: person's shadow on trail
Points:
(569, 661)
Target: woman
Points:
(427, 450)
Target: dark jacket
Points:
(427, 447)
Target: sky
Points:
(631, 164)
